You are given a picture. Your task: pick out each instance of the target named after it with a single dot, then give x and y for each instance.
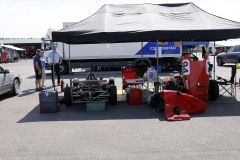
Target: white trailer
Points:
(115, 55)
(109, 55)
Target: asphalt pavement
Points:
(121, 132)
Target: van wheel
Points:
(63, 67)
(141, 69)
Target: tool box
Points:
(48, 102)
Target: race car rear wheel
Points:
(67, 96)
(213, 91)
(113, 95)
(111, 81)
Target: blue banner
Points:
(167, 48)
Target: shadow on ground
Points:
(224, 106)
(77, 112)
(5, 96)
(28, 92)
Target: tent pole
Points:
(157, 67)
(142, 51)
(235, 87)
(157, 60)
(214, 63)
(142, 58)
(53, 71)
(69, 66)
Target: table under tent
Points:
(152, 23)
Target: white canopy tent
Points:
(12, 50)
(228, 43)
(12, 47)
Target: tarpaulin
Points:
(148, 22)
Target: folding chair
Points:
(228, 86)
(129, 74)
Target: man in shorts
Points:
(37, 63)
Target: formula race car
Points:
(187, 92)
(90, 90)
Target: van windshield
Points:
(47, 45)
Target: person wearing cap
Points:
(43, 59)
(38, 69)
(56, 61)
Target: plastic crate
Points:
(48, 102)
(95, 106)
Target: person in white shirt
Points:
(57, 61)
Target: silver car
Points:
(231, 56)
(9, 82)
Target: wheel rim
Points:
(16, 86)
(219, 61)
(61, 68)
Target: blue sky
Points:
(32, 18)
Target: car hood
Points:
(13, 72)
(221, 53)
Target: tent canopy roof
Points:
(148, 22)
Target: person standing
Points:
(38, 69)
(56, 62)
(43, 59)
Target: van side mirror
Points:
(6, 71)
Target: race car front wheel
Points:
(67, 96)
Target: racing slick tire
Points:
(171, 86)
(213, 91)
(113, 95)
(68, 96)
(111, 81)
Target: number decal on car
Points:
(185, 67)
(207, 67)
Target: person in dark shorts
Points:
(37, 63)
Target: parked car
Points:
(231, 56)
(9, 82)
